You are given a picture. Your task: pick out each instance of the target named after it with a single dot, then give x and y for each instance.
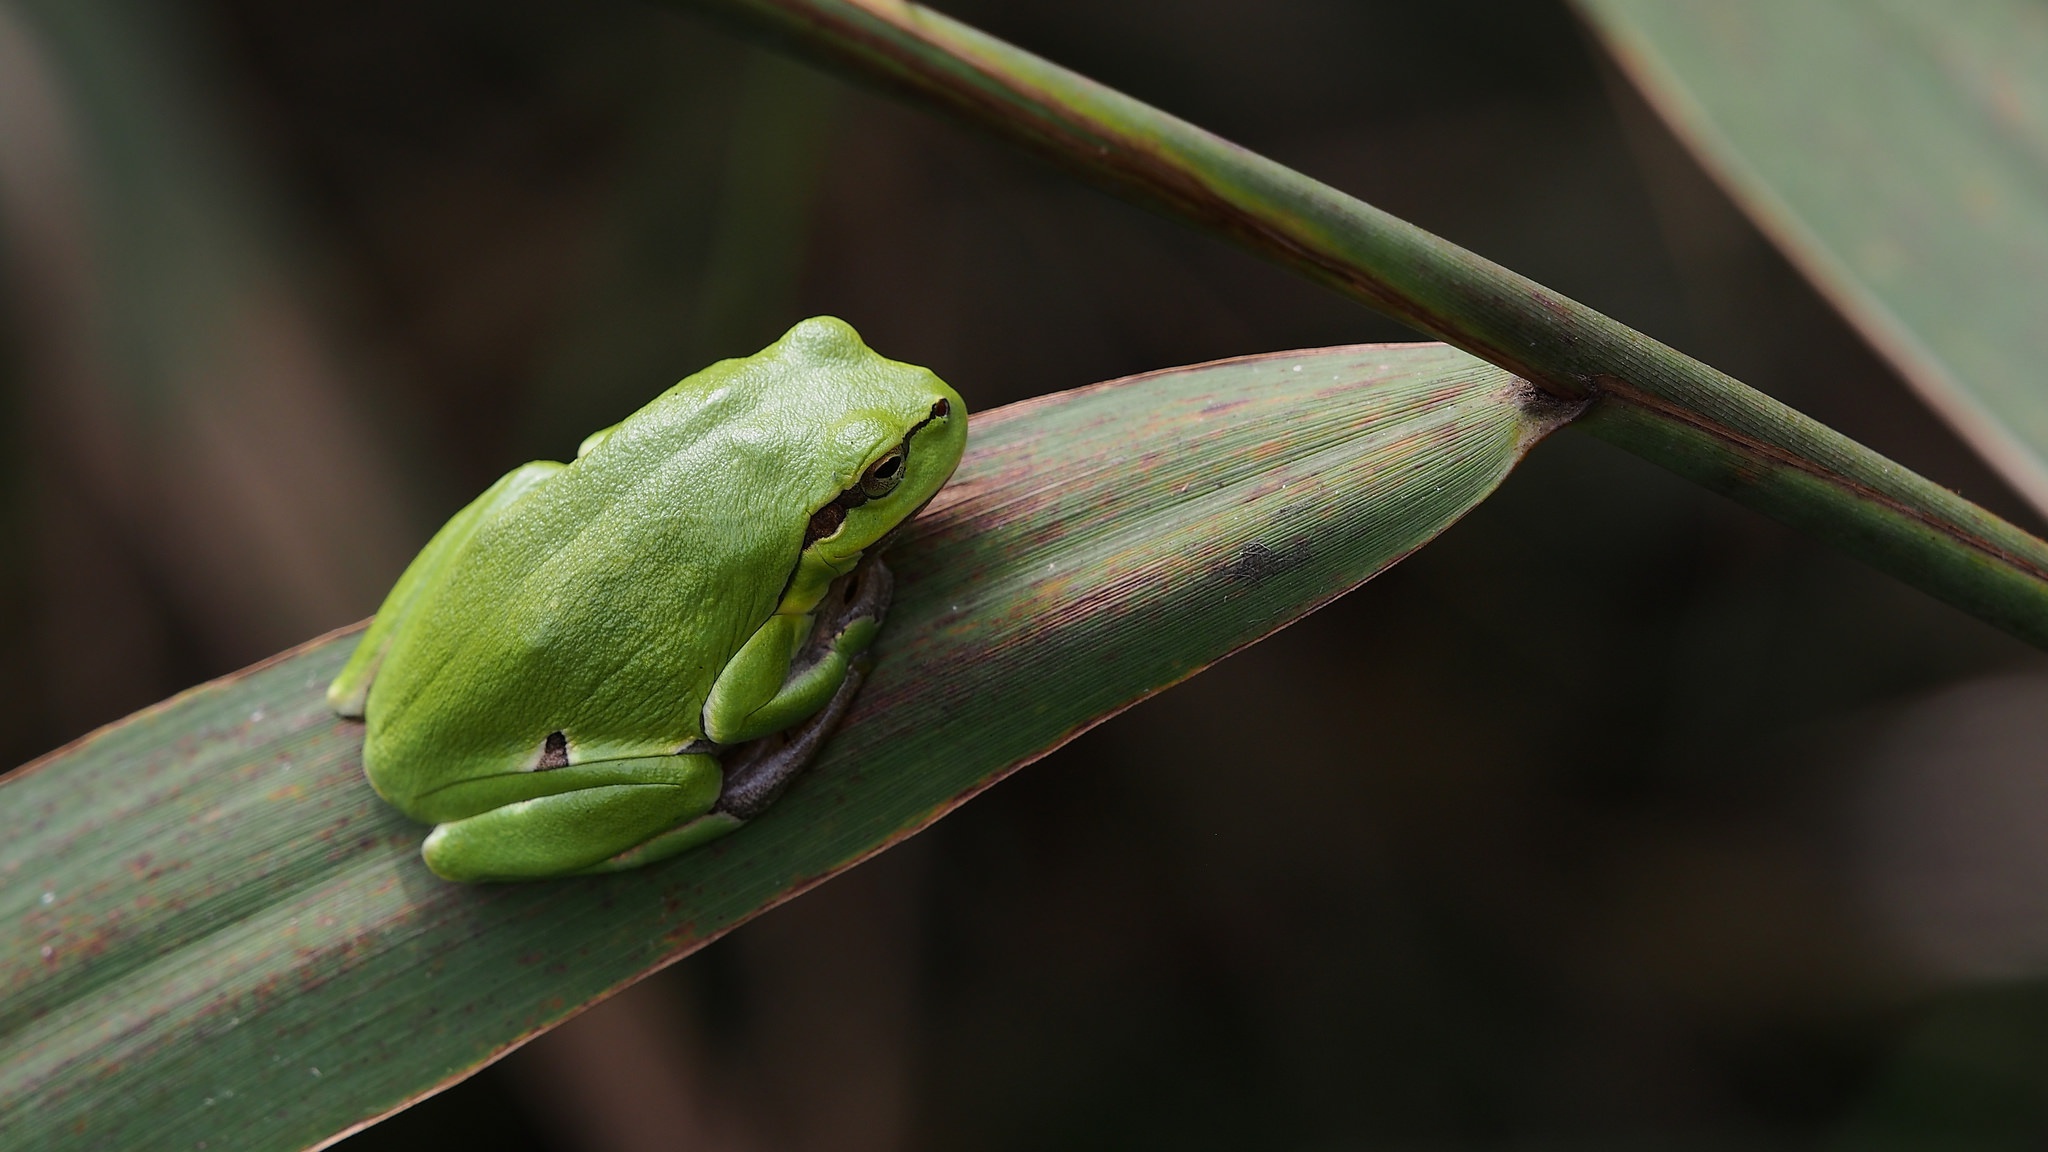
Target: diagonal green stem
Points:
(1646, 397)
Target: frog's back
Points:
(604, 602)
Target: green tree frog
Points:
(599, 664)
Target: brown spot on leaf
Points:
(1259, 561)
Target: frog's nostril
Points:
(942, 409)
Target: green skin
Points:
(557, 678)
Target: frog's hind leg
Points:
(576, 831)
(756, 773)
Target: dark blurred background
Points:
(1620, 817)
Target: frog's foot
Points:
(702, 830)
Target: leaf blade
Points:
(242, 939)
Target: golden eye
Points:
(883, 475)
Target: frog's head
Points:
(890, 444)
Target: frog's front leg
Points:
(757, 773)
(579, 830)
(793, 666)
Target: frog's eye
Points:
(883, 475)
(824, 522)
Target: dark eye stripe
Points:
(824, 522)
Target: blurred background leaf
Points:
(694, 259)
(1571, 828)
(192, 430)
(1898, 153)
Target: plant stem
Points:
(1642, 395)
